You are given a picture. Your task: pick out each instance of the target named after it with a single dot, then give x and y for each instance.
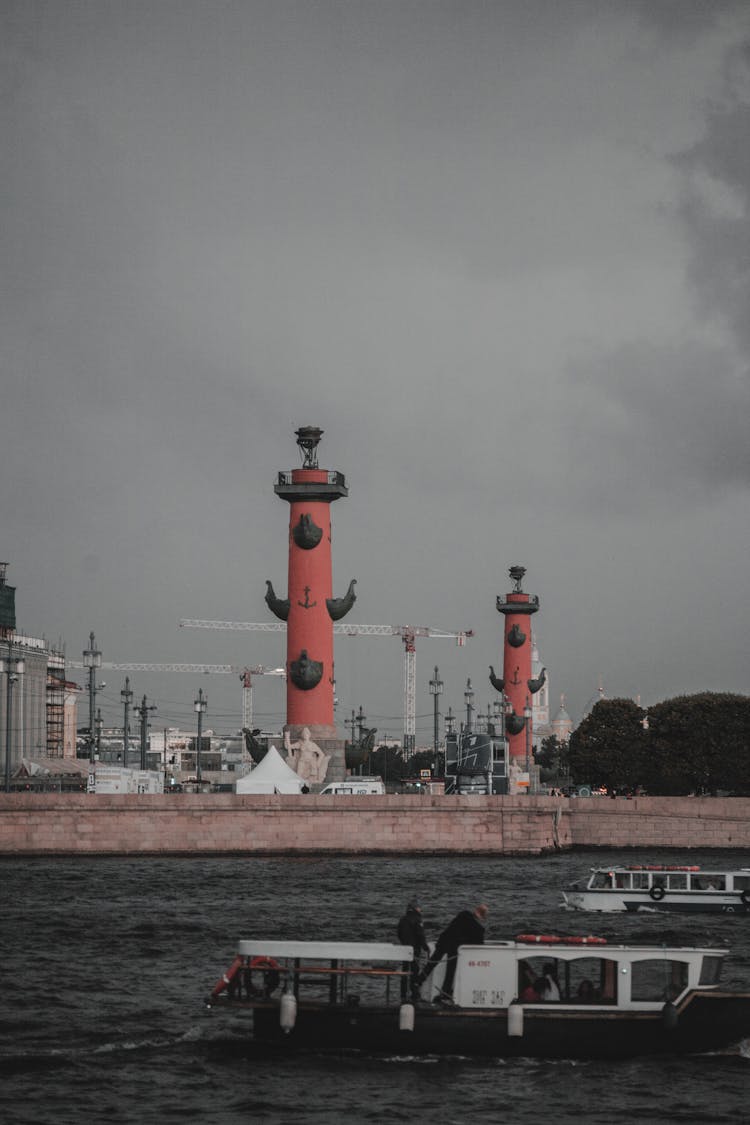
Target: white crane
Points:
(247, 690)
(408, 634)
(245, 674)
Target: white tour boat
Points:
(662, 887)
(606, 1000)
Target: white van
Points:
(355, 785)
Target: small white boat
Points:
(662, 887)
(608, 1001)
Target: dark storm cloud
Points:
(715, 210)
(660, 422)
(678, 19)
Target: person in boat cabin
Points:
(410, 931)
(527, 992)
(547, 986)
(467, 928)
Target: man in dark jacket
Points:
(467, 928)
(410, 931)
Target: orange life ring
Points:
(266, 963)
(270, 970)
(541, 939)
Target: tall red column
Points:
(310, 608)
(517, 608)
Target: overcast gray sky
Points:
(497, 251)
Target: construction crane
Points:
(245, 674)
(408, 634)
(247, 690)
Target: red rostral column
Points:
(517, 684)
(310, 609)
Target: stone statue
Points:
(306, 758)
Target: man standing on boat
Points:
(467, 928)
(410, 931)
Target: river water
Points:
(106, 964)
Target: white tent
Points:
(272, 775)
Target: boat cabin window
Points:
(640, 881)
(673, 880)
(742, 882)
(658, 980)
(601, 879)
(708, 882)
(622, 880)
(584, 980)
(711, 970)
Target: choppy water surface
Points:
(106, 964)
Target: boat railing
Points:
(314, 968)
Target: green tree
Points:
(609, 747)
(425, 760)
(552, 758)
(700, 744)
(387, 762)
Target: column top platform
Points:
(310, 484)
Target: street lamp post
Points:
(527, 724)
(361, 720)
(469, 700)
(126, 695)
(200, 706)
(13, 668)
(450, 721)
(92, 659)
(436, 688)
(142, 713)
(165, 762)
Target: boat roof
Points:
(525, 946)
(326, 950)
(666, 867)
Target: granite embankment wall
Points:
(81, 824)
